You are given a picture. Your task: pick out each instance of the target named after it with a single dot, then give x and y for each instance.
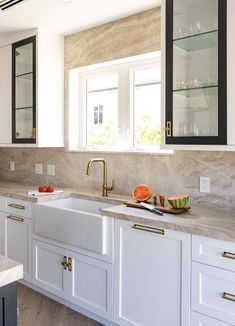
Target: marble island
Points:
(10, 271)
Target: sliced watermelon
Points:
(142, 192)
(179, 201)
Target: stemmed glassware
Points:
(197, 82)
(191, 29)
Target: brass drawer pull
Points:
(229, 255)
(16, 206)
(15, 218)
(64, 263)
(69, 264)
(228, 296)
(148, 229)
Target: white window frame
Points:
(77, 100)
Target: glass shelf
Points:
(24, 108)
(27, 75)
(190, 110)
(196, 42)
(199, 91)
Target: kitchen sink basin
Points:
(74, 221)
(78, 204)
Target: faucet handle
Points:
(112, 187)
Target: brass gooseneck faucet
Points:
(105, 187)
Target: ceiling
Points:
(68, 16)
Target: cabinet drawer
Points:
(213, 292)
(201, 320)
(16, 207)
(214, 252)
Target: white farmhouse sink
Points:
(73, 221)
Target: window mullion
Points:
(124, 107)
(82, 113)
(121, 104)
(131, 107)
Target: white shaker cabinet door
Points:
(91, 285)
(152, 276)
(48, 271)
(5, 95)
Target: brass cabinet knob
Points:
(69, 264)
(64, 263)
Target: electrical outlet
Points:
(51, 169)
(12, 166)
(205, 184)
(38, 168)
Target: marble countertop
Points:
(215, 223)
(211, 222)
(10, 271)
(19, 191)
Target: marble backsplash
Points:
(167, 174)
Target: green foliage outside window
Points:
(145, 135)
(101, 135)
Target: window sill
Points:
(124, 152)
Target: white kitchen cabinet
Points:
(202, 320)
(213, 252)
(152, 276)
(91, 285)
(48, 99)
(48, 272)
(50, 89)
(213, 292)
(18, 234)
(5, 94)
(16, 207)
(85, 282)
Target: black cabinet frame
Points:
(16, 140)
(221, 139)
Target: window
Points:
(102, 110)
(116, 105)
(147, 94)
(98, 115)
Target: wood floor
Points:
(38, 310)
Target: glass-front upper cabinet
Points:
(24, 91)
(196, 79)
